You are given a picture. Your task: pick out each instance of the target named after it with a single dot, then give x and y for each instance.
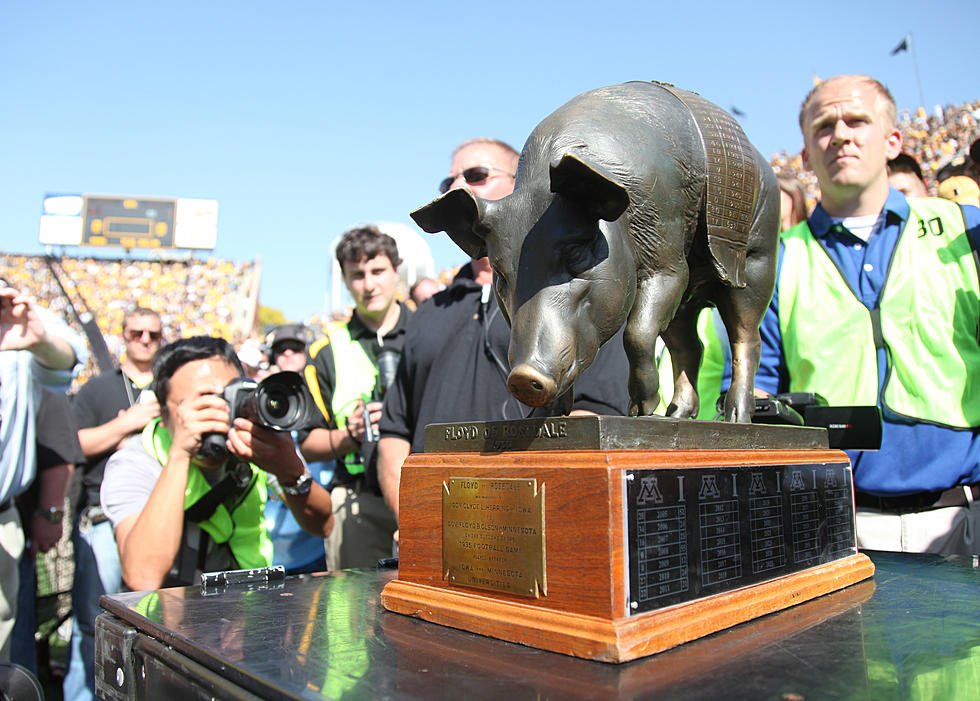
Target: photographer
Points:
(342, 373)
(295, 549)
(176, 513)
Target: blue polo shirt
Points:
(914, 457)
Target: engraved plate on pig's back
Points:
(732, 187)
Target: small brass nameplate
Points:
(616, 433)
(493, 534)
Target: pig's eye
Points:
(578, 259)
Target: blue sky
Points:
(305, 118)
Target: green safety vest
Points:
(243, 529)
(355, 375)
(926, 321)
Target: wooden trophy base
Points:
(624, 639)
(612, 555)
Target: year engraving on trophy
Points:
(703, 531)
(493, 534)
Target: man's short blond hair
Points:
(140, 311)
(885, 102)
(486, 140)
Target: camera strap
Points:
(190, 561)
(236, 480)
(231, 490)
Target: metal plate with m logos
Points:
(708, 530)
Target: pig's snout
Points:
(530, 386)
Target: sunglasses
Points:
(477, 175)
(137, 334)
(294, 346)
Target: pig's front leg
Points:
(656, 299)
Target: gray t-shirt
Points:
(130, 475)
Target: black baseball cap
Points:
(288, 332)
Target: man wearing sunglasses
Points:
(293, 548)
(109, 409)
(486, 167)
(454, 365)
(287, 346)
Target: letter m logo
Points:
(649, 491)
(709, 488)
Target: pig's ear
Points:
(458, 213)
(590, 185)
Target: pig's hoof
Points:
(682, 410)
(645, 408)
(738, 414)
(530, 386)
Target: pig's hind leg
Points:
(741, 312)
(681, 339)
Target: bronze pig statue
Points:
(638, 203)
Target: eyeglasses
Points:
(294, 346)
(137, 334)
(477, 175)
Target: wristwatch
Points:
(53, 514)
(301, 486)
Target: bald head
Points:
(885, 102)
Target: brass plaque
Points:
(493, 534)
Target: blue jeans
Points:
(23, 647)
(97, 572)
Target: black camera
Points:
(387, 363)
(848, 427)
(280, 402)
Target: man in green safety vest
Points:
(176, 513)
(342, 373)
(876, 302)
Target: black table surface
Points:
(911, 632)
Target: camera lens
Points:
(281, 402)
(276, 403)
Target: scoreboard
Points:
(128, 222)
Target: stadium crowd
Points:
(164, 321)
(210, 296)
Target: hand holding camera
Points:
(280, 402)
(364, 421)
(197, 416)
(387, 362)
(273, 451)
(20, 326)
